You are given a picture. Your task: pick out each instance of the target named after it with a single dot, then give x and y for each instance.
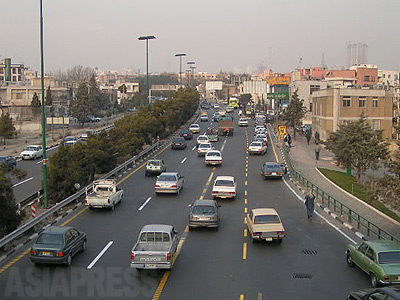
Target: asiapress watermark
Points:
(110, 282)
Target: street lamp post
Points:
(147, 38)
(45, 197)
(191, 66)
(180, 55)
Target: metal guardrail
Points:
(346, 213)
(30, 224)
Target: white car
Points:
(257, 148)
(213, 157)
(32, 152)
(203, 148)
(70, 141)
(262, 136)
(258, 127)
(224, 187)
(202, 139)
(243, 122)
(203, 118)
(194, 128)
(216, 106)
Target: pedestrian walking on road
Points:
(317, 150)
(308, 136)
(289, 140)
(310, 205)
(316, 136)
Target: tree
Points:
(7, 128)
(35, 100)
(80, 105)
(49, 97)
(9, 220)
(295, 112)
(244, 99)
(75, 75)
(358, 146)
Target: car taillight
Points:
(108, 200)
(232, 193)
(157, 185)
(267, 173)
(280, 232)
(256, 233)
(386, 278)
(59, 254)
(280, 173)
(168, 256)
(85, 200)
(132, 256)
(33, 252)
(174, 186)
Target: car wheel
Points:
(349, 260)
(146, 174)
(69, 260)
(253, 240)
(191, 228)
(280, 241)
(113, 206)
(216, 228)
(83, 247)
(374, 280)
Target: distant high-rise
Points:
(357, 54)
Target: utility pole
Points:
(180, 55)
(45, 196)
(147, 38)
(191, 66)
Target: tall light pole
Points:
(147, 38)
(191, 66)
(180, 55)
(45, 197)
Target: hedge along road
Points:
(211, 263)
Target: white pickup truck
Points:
(105, 194)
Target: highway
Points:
(309, 264)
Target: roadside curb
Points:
(358, 199)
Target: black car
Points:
(273, 170)
(57, 245)
(8, 162)
(178, 143)
(186, 134)
(387, 293)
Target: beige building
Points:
(340, 105)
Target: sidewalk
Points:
(303, 159)
(14, 147)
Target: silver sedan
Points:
(169, 182)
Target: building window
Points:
(310, 107)
(346, 101)
(376, 124)
(383, 75)
(361, 101)
(388, 75)
(314, 87)
(375, 102)
(366, 78)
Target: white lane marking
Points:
(194, 147)
(19, 183)
(144, 204)
(183, 160)
(319, 215)
(39, 162)
(223, 145)
(100, 255)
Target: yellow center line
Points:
(187, 229)
(244, 251)
(160, 287)
(73, 217)
(244, 220)
(245, 200)
(273, 148)
(245, 232)
(204, 191)
(201, 197)
(245, 193)
(245, 210)
(241, 297)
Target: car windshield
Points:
(213, 153)
(31, 148)
(391, 257)
(70, 138)
(261, 136)
(167, 178)
(177, 140)
(203, 210)
(202, 138)
(194, 126)
(256, 144)
(266, 219)
(185, 131)
(153, 163)
(205, 146)
(224, 182)
(49, 238)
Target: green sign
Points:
(278, 96)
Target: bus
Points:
(234, 102)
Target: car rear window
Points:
(224, 183)
(203, 210)
(266, 219)
(392, 257)
(212, 153)
(167, 178)
(205, 146)
(154, 237)
(153, 163)
(177, 140)
(202, 138)
(50, 238)
(256, 144)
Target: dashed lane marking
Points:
(183, 160)
(245, 183)
(244, 251)
(245, 193)
(22, 182)
(241, 297)
(245, 200)
(245, 232)
(194, 147)
(245, 210)
(144, 204)
(100, 255)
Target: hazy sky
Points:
(234, 35)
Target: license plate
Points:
(268, 239)
(274, 174)
(151, 266)
(46, 253)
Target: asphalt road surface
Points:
(309, 264)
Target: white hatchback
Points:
(224, 187)
(213, 157)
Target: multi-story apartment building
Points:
(339, 105)
(11, 73)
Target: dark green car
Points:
(57, 245)
(380, 259)
(155, 167)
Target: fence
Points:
(346, 214)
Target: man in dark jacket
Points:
(310, 204)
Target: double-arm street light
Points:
(147, 38)
(180, 55)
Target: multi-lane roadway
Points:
(309, 264)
